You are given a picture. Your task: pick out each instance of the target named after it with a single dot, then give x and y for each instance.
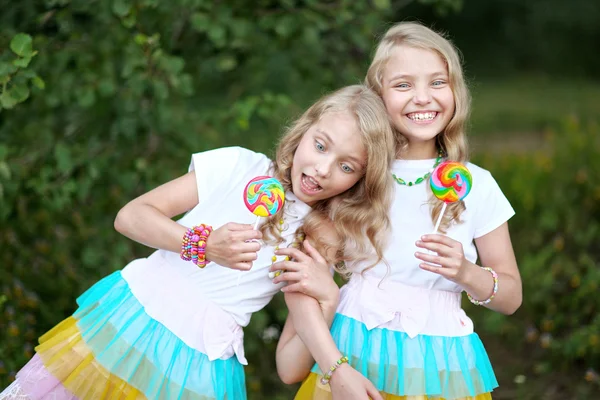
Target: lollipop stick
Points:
(256, 223)
(439, 220)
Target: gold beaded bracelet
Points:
(327, 375)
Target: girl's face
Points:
(417, 94)
(330, 158)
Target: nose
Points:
(422, 96)
(323, 168)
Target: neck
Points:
(420, 151)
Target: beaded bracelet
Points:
(193, 245)
(481, 303)
(327, 375)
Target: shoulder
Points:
(482, 178)
(234, 157)
(478, 172)
(232, 153)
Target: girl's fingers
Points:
(242, 266)
(247, 257)
(436, 270)
(440, 249)
(293, 253)
(296, 287)
(249, 247)
(312, 252)
(288, 277)
(287, 265)
(441, 239)
(431, 258)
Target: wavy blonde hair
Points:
(360, 214)
(452, 142)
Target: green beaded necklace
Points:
(402, 182)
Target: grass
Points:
(530, 104)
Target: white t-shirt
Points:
(486, 209)
(221, 176)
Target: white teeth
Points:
(311, 183)
(422, 116)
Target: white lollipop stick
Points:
(257, 221)
(439, 220)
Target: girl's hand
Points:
(450, 257)
(307, 273)
(348, 384)
(233, 246)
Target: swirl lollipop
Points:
(451, 181)
(264, 196)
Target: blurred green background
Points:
(110, 98)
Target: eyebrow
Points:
(352, 158)
(404, 76)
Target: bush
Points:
(130, 89)
(556, 195)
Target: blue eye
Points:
(346, 168)
(439, 83)
(402, 86)
(319, 146)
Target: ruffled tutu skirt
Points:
(110, 348)
(394, 344)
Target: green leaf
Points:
(7, 101)
(86, 97)
(227, 63)
(200, 22)
(38, 82)
(7, 68)
(63, 158)
(22, 62)
(19, 92)
(4, 171)
(140, 39)
(382, 4)
(129, 21)
(161, 90)
(121, 7)
(21, 45)
(173, 65)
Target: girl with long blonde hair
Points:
(399, 332)
(170, 326)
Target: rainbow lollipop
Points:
(451, 181)
(264, 196)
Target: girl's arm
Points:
(306, 331)
(148, 220)
(312, 290)
(294, 359)
(495, 251)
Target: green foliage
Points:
(15, 76)
(555, 233)
(102, 101)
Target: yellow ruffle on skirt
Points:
(312, 389)
(66, 356)
(111, 349)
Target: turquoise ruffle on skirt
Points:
(449, 367)
(144, 353)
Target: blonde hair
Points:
(452, 142)
(360, 214)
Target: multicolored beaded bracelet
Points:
(327, 375)
(193, 245)
(483, 302)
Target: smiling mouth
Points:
(309, 185)
(422, 117)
